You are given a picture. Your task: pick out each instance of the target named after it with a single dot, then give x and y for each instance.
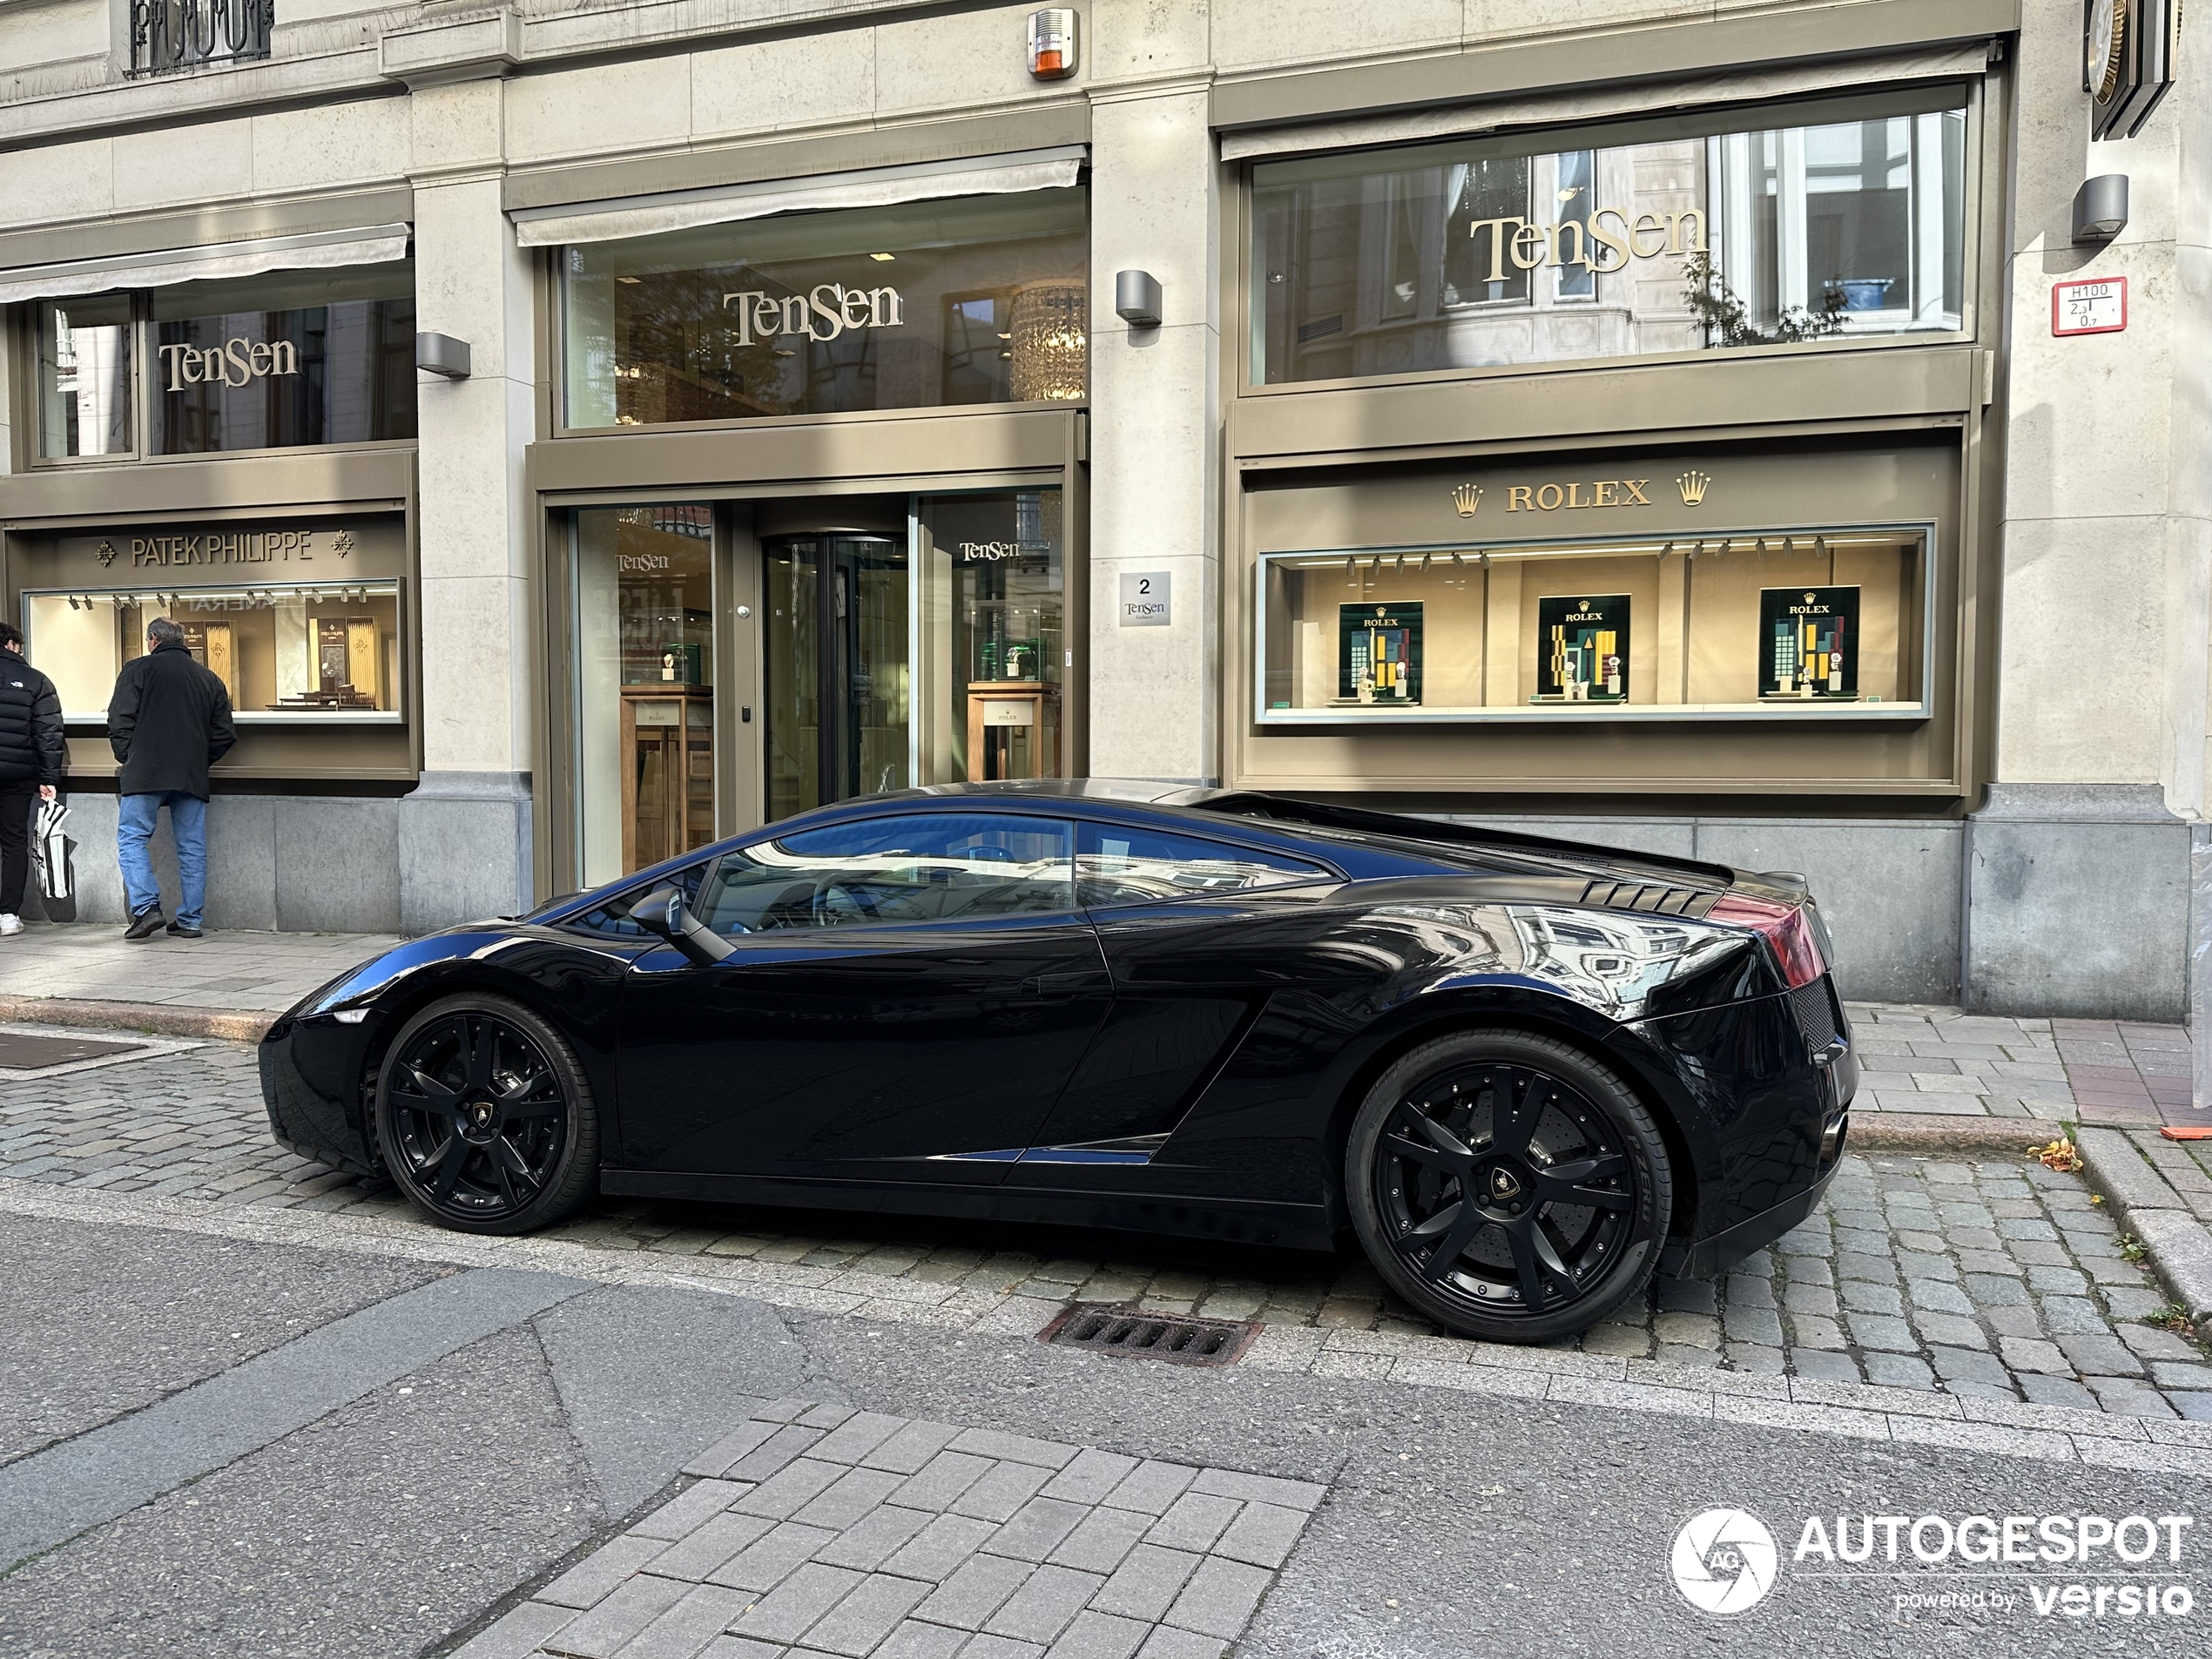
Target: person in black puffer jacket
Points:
(169, 720)
(31, 756)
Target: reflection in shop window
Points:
(644, 717)
(971, 300)
(325, 650)
(84, 376)
(993, 586)
(1672, 234)
(1782, 623)
(293, 357)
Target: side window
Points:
(1116, 865)
(916, 867)
(611, 919)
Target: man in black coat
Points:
(170, 719)
(31, 754)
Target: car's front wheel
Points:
(1508, 1185)
(484, 1118)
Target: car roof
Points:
(1317, 830)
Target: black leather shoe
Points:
(178, 930)
(145, 925)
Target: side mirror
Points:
(663, 913)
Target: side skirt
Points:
(1286, 1226)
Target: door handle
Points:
(1070, 982)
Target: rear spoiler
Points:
(1284, 809)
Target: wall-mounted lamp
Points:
(1052, 43)
(442, 355)
(2100, 208)
(1137, 298)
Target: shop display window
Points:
(322, 650)
(1824, 222)
(971, 300)
(84, 376)
(644, 716)
(1780, 624)
(993, 617)
(273, 361)
(293, 357)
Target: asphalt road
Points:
(215, 1447)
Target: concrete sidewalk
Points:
(225, 985)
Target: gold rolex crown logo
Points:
(1693, 485)
(1467, 498)
(1810, 597)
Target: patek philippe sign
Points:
(237, 362)
(824, 312)
(184, 546)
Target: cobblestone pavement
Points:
(1993, 1279)
(2089, 1071)
(817, 1531)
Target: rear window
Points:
(1118, 865)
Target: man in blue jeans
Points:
(169, 720)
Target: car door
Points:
(1198, 934)
(905, 998)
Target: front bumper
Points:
(311, 1083)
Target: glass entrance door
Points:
(836, 668)
(645, 715)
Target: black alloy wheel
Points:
(1508, 1185)
(484, 1118)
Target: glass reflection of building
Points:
(1662, 235)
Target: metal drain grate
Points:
(21, 1051)
(1176, 1337)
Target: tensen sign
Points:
(764, 316)
(234, 362)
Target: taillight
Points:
(1786, 929)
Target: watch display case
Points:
(322, 649)
(1772, 624)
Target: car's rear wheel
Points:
(1508, 1185)
(484, 1118)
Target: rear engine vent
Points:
(1629, 895)
(1814, 1005)
(1176, 1337)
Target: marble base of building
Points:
(456, 849)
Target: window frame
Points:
(556, 313)
(1070, 822)
(1325, 870)
(1974, 319)
(30, 449)
(1921, 709)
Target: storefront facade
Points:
(1655, 432)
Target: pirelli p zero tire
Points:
(1509, 1185)
(484, 1118)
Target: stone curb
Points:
(228, 1025)
(2048, 1434)
(2180, 1250)
(1924, 1132)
